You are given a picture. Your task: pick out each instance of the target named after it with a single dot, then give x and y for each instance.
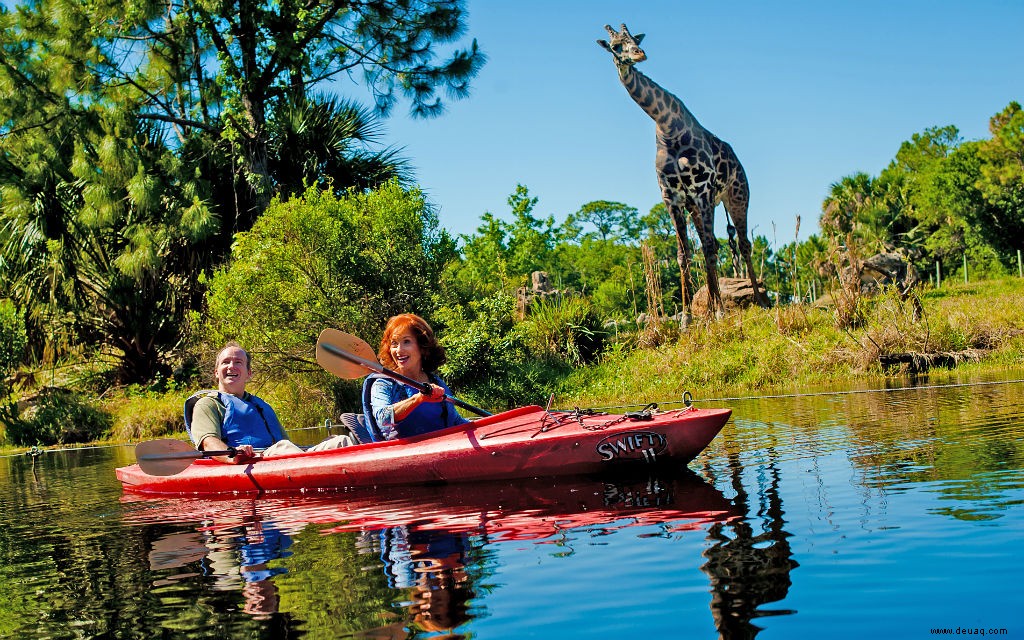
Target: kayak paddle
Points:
(170, 457)
(346, 356)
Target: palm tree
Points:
(328, 143)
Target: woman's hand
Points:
(433, 393)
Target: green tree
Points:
(222, 68)
(99, 235)
(501, 255)
(135, 139)
(489, 356)
(611, 219)
(322, 261)
(12, 346)
(329, 144)
(1001, 181)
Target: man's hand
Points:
(245, 454)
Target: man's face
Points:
(232, 371)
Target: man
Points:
(231, 417)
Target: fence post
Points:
(1020, 266)
(938, 275)
(965, 268)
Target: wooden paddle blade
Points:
(355, 360)
(166, 457)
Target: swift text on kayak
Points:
(632, 445)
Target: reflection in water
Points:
(425, 545)
(749, 569)
(234, 554)
(431, 566)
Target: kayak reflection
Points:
(426, 542)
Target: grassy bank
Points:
(976, 327)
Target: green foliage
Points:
(127, 165)
(489, 360)
(502, 255)
(60, 417)
(136, 417)
(567, 329)
(327, 144)
(13, 341)
(321, 261)
(939, 200)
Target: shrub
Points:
(322, 261)
(147, 416)
(567, 329)
(13, 340)
(60, 417)
(489, 361)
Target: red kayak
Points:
(524, 442)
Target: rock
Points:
(737, 293)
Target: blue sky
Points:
(805, 92)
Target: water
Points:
(883, 513)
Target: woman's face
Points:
(405, 351)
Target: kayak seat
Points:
(356, 425)
(190, 405)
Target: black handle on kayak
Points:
(377, 367)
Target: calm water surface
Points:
(870, 514)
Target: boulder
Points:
(737, 293)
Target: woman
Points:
(394, 409)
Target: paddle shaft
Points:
(171, 456)
(376, 367)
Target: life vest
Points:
(247, 420)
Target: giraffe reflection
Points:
(747, 569)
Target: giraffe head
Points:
(625, 47)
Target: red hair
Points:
(431, 352)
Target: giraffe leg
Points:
(734, 250)
(704, 221)
(736, 201)
(673, 204)
(683, 251)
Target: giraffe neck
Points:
(668, 111)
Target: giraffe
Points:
(696, 171)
